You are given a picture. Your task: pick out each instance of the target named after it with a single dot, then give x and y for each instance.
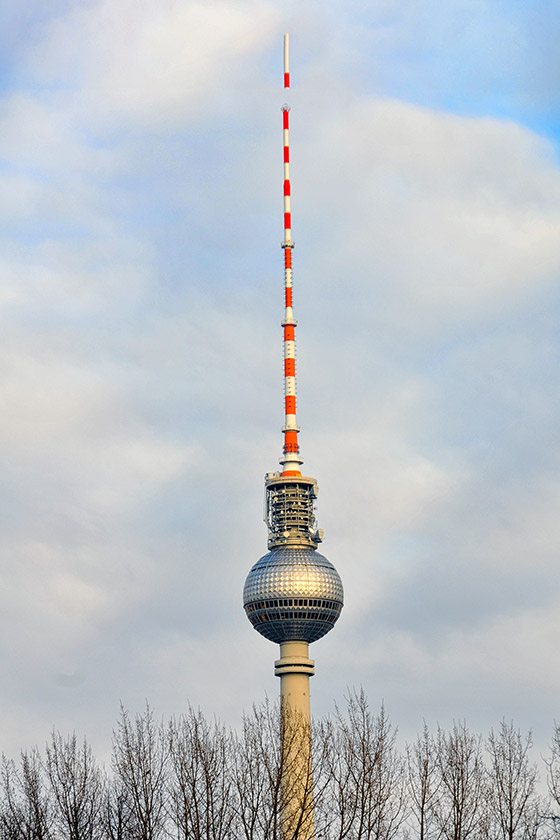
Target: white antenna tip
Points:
(286, 60)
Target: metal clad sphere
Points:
(293, 594)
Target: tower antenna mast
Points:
(291, 460)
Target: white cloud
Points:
(142, 372)
(448, 216)
(151, 63)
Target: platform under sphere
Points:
(293, 594)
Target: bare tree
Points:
(460, 813)
(140, 764)
(336, 811)
(368, 800)
(202, 782)
(27, 809)
(423, 784)
(274, 792)
(116, 813)
(553, 780)
(76, 785)
(258, 774)
(282, 779)
(513, 799)
(553, 765)
(297, 791)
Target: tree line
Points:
(193, 779)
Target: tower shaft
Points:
(294, 669)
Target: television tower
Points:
(293, 595)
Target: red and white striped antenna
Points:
(291, 459)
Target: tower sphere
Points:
(293, 593)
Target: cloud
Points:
(142, 371)
(474, 59)
(449, 215)
(150, 64)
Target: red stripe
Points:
(287, 190)
(289, 332)
(288, 221)
(286, 118)
(287, 257)
(286, 154)
(289, 296)
(290, 405)
(291, 472)
(286, 80)
(291, 438)
(289, 367)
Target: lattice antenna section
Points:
(290, 511)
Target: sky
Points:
(141, 353)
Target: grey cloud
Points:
(142, 377)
